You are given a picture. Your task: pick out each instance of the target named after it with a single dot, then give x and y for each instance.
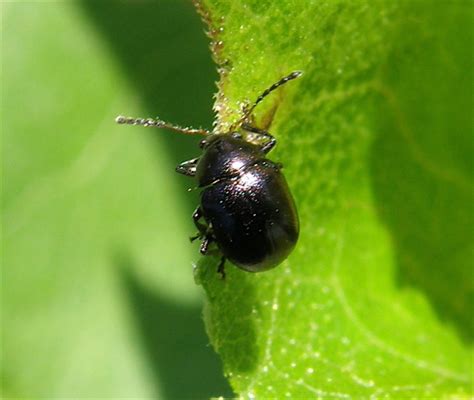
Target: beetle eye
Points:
(202, 143)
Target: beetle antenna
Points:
(266, 92)
(158, 123)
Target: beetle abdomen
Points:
(253, 217)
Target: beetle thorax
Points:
(225, 156)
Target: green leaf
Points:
(376, 139)
(98, 297)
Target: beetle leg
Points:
(206, 234)
(188, 168)
(270, 140)
(205, 245)
(220, 268)
(202, 228)
(196, 236)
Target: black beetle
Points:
(246, 206)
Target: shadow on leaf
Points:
(165, 55)
(174, 341)
(422, 166)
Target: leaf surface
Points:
(98, 298)
(376, 140)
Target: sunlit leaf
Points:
(376, 140)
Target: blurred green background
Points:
(98, 297)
